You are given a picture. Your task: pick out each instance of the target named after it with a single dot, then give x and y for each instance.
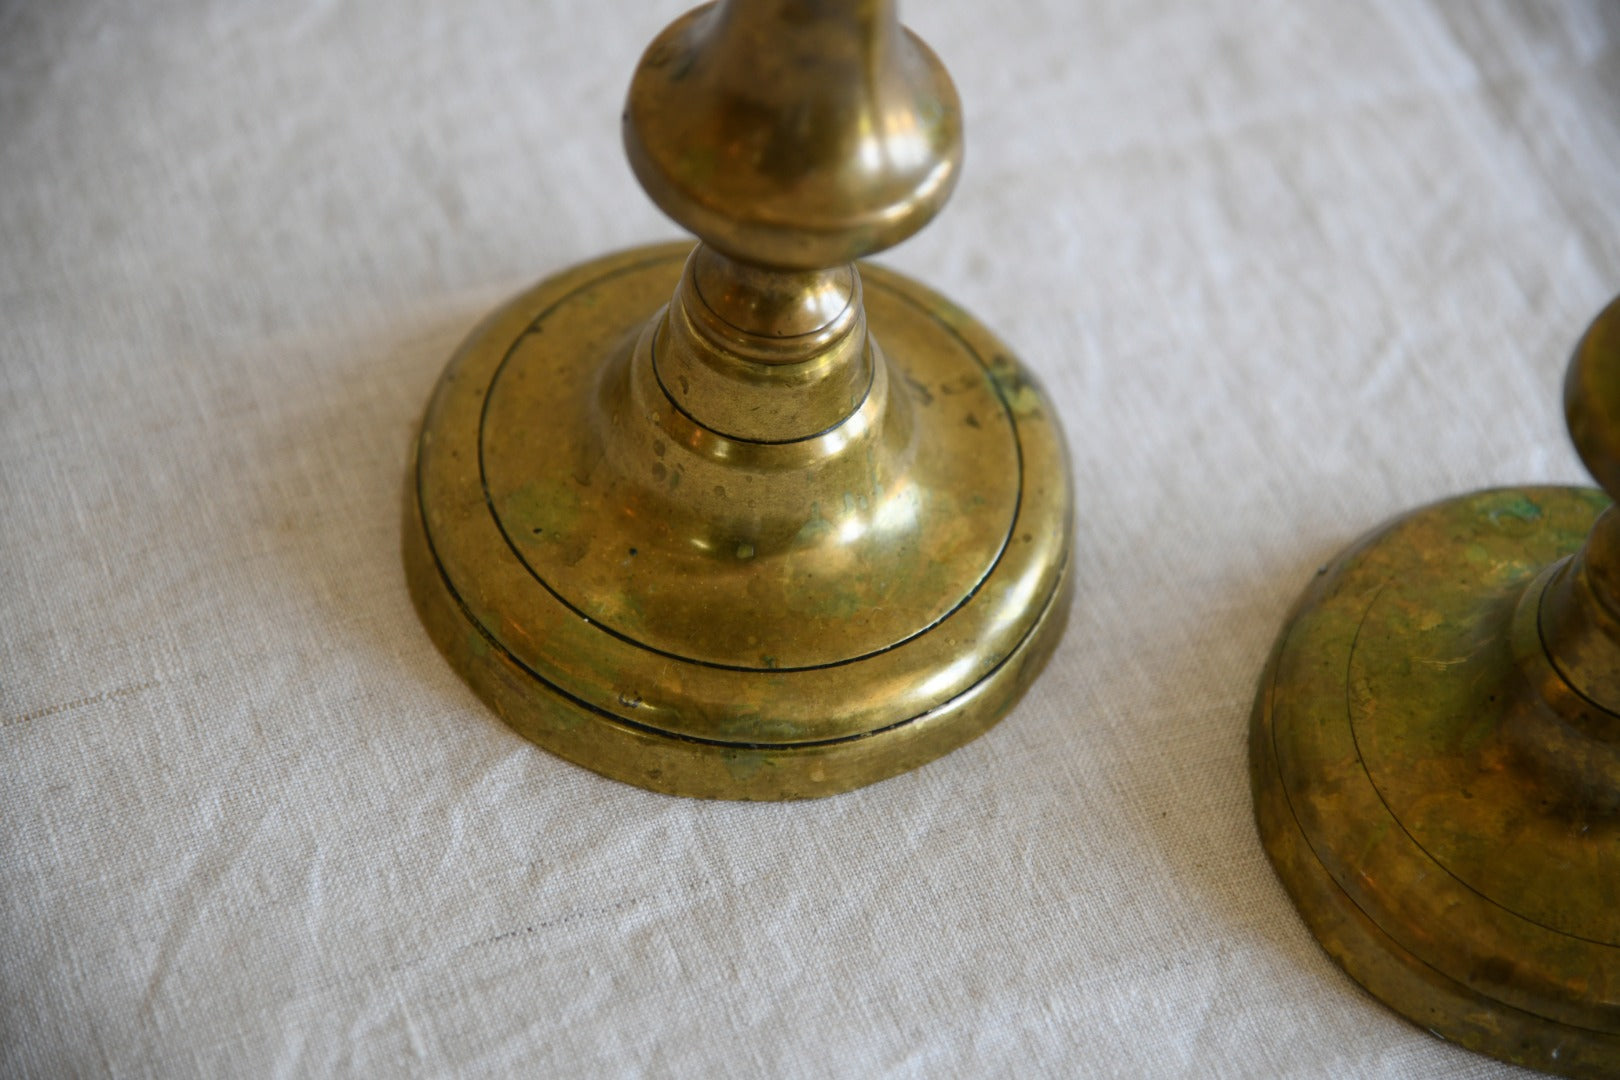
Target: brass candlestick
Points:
(798, 528)
(1436, 755)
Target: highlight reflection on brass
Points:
(745, 521)
(1435, 755)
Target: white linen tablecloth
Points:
(1287, 266)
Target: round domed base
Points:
(711, 616)
(1416, 788)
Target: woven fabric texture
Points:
(1287, 267)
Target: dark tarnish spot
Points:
(683, 67)
(924, 396)
(658, 470)
(970, 420)
(1495, 971)
(661, 53)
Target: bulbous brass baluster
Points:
(791, 134)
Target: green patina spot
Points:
(1018, 392)
(563, 718)
(1518, 507)
(541, 511)
(745, 764)
(815, 528)
(838, 605)
(950, 314)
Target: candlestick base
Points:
(716, 616)
(1408, 754)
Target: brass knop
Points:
(750, 520)
(791, 134)
(1592, 399)
(1435, 755)
(1579, 615)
